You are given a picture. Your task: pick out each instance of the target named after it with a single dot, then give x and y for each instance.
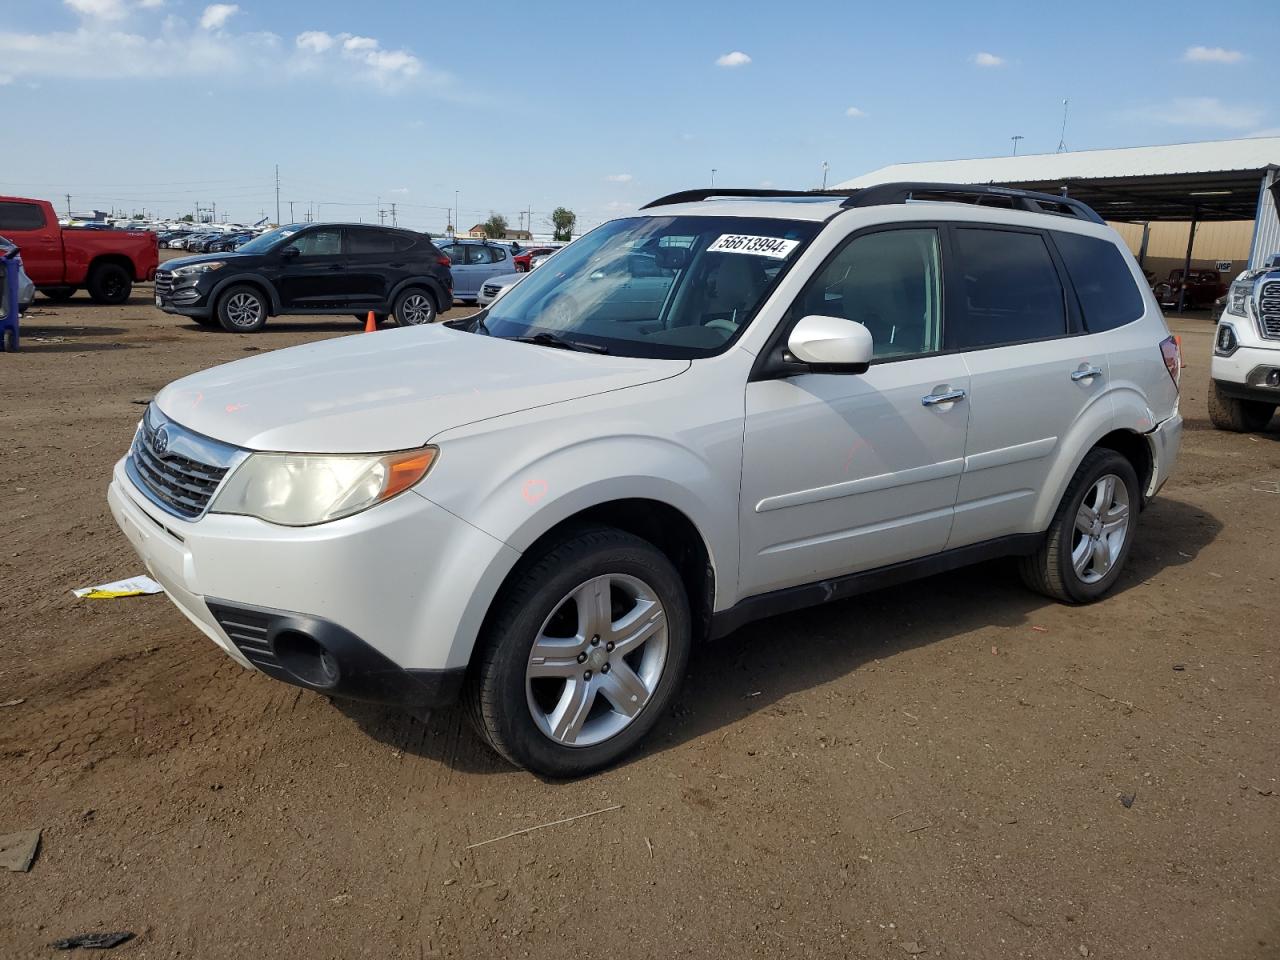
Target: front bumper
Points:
(1245, 369)
(394, 597)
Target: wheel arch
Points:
(247, 279)
(431, 285)
(113, 259)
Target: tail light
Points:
(1171, 351)
(444, 261)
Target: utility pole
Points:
(277, 194)
(713, 176)
(825, 167)
(68, 206)
(393, 213)
(291, 220)
(1062, 140)
(457, 225)
(1015, 138)
(382, 214)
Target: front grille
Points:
(247, 629)
(179, 483)
(491, 289)
(1269, 309)
(164, 283)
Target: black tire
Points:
(242, 309)
(415, 307)
(10, 344)
(497, 698)
(58, 294)
(1050, 569)
(1240, 416)
(109, 283)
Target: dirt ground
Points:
(937, 769)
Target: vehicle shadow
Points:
(759, 665)
(756, 667)
(32, 330)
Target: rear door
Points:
(1033, 372)
(467, 269)
(371, 262)
(40, 241)
(316, 277)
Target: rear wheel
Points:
(58, 294)
(582, 654)
(1241, 416)
(414, 307)
(109, 283)
(242, 309)
(10, 340)
(1091, 534)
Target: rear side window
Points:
(369, 241)
(1108, 295)
(478, 253)
(21, 216)
(1009, 287)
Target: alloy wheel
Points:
(1101, 528)
(416, 309)
(597, 660)
(244, 310)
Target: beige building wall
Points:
(1216, 242)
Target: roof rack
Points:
(1009, 198)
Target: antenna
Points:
(1062, 139)
(1015, 138)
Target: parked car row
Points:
(206, 241)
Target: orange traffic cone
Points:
(371, 324)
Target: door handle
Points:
(950, 396)
(1086, 374)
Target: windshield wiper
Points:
(552, 340)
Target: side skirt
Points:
(789, 599)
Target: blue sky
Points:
(596, 106)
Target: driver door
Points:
(316, 277)
(848, 472)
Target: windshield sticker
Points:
(774, 247)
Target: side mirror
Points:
(288, 253)
(831, 344)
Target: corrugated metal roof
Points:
(1212, 156)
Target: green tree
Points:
(563, 220)
(188, 219)
(495, 228)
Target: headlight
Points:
(298, 490)
(198, 268)
(1238, 296)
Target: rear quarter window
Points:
(1108, 295)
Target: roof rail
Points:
(1009, 198)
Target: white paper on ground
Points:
(133, 587)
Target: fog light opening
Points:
(303, 657)
(1273, 378)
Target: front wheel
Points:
(583, 653)
(242, 309)
(1240, 416)
(1091, 534)
(414, 307)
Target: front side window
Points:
(1108, 295)
(319, 243)
(1010, 289)
(891, 283)
(679, 287)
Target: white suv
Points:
(728, 406)
(1246, 353)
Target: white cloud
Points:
(855, 112)
(317, 41)
(1208, 112)
(151, 4)
(735, 59)
(619, 178)
(984, 59)
(172, 47)
(1212, 55)
(766, 184)
(216, 15)
(101, 9)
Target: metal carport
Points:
(1196, 182)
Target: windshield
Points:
(675, 287)
(266, 241)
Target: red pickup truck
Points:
(107, 263)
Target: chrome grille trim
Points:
(164, 283)
(1269, 309)
(182, 478)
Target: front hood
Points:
(229, 257)
(393, 390)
